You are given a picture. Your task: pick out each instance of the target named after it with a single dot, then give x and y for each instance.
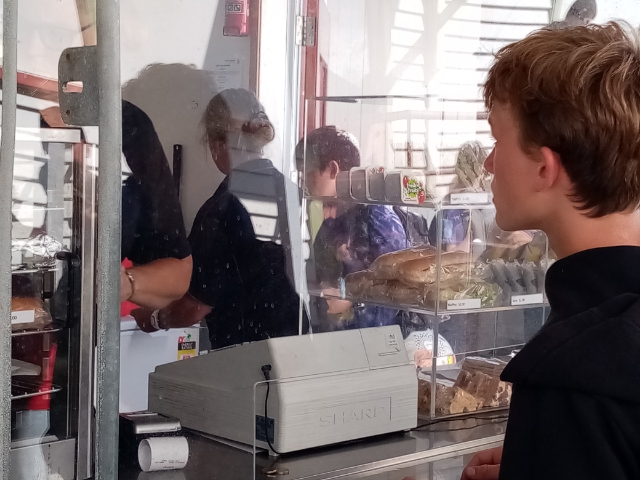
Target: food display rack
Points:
(480, 308)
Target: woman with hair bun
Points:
(242, 282)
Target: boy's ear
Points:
(334, 168)
(549, 168)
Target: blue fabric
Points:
(367, 231)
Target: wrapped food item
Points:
(488, 293)
(406, 295)
(386, 266)
(480, 377)
(528, 275)
(28, 313)
(450, 400)
(472, 176)
(358, 282)
(454, 266)
(379, 291)
(488, 366)
(39, 251)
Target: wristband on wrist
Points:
(155, 320)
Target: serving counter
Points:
(438, 451)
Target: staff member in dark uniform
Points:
(154, 240)
(153, 233)
(242, 276)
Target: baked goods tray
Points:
(316, 292)
(21, 388)
(428, 203)
(26, 333)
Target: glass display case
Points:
(51, 320)
(400, 220)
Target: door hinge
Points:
(306, 31)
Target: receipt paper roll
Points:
(163, 453)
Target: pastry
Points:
(450, 400)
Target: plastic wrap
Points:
(517, 278)
(472, 176)
(28, 313)
(36, 252)
(488, 293)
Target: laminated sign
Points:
(186, 347)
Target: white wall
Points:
(184, 33)
(186, 39)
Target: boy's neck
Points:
(576, 232)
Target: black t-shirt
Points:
(244, 279)
(152, 224)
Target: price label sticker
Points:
(470, 198)
(27, 316)
(466, 304)
(527, 299)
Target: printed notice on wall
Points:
(228, 74)
(28, 316)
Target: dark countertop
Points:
(428, 453)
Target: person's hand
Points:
(484, 465)
(126, 289)
(143, 319)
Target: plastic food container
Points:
(358, 179)
(375, 183)
(407, 186)
(343, 184)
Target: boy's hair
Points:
(577, 91)
(325, 144)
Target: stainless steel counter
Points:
(429, 453)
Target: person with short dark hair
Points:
(346, 237)
(565, 113)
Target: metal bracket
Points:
(78, 86)
(306, 31)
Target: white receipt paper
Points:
(163, 453)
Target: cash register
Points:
(293, 393)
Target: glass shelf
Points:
(433, 204)
(27, 333)
(30, 388)
(422, 309)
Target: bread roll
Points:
(386, 266)
(41, 317)
(423, 270)
(358, 283)
(23, 304)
